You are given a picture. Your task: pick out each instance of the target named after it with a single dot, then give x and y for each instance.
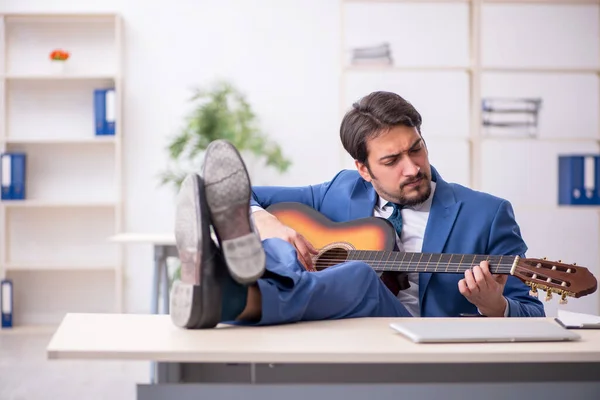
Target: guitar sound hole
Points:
(331, 257)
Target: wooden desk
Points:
(329, 358)
(166, 239)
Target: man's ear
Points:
(363, 171)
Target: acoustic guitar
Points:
(373, 240)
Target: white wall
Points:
(286, 57)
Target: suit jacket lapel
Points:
(362, 200)
(444, 209)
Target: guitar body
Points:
(369, 233)
(335, 239)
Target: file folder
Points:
(13, 167)
(579, 179)
(104, 111)
(6, 303)
(5, 176)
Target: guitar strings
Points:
(415, 264)
(402, 261)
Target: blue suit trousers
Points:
(348, 290)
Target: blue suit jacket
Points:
(461, 220)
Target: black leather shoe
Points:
(196, 299)
(228, 193)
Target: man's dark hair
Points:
(373, 115)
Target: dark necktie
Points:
(395, 281)
(396, 218)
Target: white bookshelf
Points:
(448, 55)
(53, 244)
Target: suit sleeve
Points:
(312, 195)
(505, 239)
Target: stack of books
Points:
(380, 54)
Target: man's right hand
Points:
(269, 226)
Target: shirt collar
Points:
(425, 206)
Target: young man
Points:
(267, 277)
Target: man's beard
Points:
(409, 202)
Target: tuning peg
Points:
(548, 295)
(544, 258)
(574, 263)
(563, 298)
(533, 292)
(559, 261)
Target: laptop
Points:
(474, 330)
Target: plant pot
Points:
(57, 67)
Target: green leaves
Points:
(220, 111)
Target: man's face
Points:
(398, 166)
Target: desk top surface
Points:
(364, 340)
(151, 238)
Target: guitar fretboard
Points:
(429, 262)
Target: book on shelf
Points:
(104, 111)
(13, 168)
(6, 303)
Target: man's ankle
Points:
(253, 309)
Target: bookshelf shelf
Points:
(57, 204)
(541, 69)
(459, 68)
(57, 77)
(65, 141)
(539, 139)
(73, 199)
(59, 268)
(408, 68)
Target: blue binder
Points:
(13, 167)
(104, 111)
(6, 303)
(579, 179)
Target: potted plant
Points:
(58, 59)
(220, 111)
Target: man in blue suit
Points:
(261, 270)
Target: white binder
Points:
(6, 303)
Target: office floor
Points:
(26, 373)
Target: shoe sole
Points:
(195, 300)
(228, 193)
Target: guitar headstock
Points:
(567, 280)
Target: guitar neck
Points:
(398, 261)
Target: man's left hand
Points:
(484, 290)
